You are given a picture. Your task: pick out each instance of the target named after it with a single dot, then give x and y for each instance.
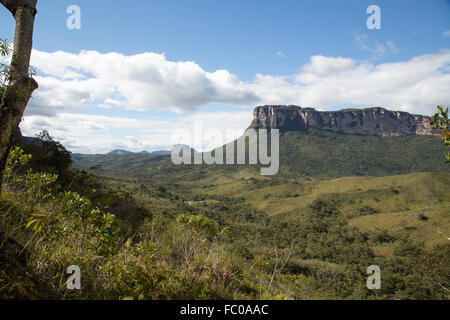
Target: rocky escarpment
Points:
(372, 121)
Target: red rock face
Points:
(372, 121)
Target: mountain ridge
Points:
(370, 121)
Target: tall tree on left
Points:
(20, 84)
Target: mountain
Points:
(380, 143)
(161, 152)
(157, 152)
(120, 151)
(372, 121)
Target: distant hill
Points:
(120, 151)
(161, 152)
(157, 152)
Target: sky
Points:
(138, 71)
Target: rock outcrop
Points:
(371, 121)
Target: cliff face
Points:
(372, 121)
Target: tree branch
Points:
(13, 5)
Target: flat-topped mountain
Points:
(371, 121)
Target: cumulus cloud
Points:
(72, 82)
(138, 82)
(417, 85)
(446, 34)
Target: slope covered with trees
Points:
(303, 154)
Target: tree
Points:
(18, 83)
(54, 155)
(441, 121)
(433, 271)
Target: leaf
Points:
(39, 215)
(128, 243)
(29, 224)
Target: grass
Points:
(398, 201)
(430, 231)
(385, 194)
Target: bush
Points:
(325, 208)
(181, 260)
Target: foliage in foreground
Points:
(162, 260)
(442, 122)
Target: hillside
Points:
(303, 154)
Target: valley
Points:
(342, 201)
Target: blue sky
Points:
(265, 48)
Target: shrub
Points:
(325, 208)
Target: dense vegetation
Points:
(314, 153)
(442, 122)
(205, 233)
(45, 230)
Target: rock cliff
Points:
(371, 121)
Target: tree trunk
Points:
(21, 85)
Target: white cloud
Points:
(72, 83)
(417, 85)
(326, 66)
(446, 34)
(379, 49)
(139, 82)
(147, 81)
(391, 45)
(83, 133)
